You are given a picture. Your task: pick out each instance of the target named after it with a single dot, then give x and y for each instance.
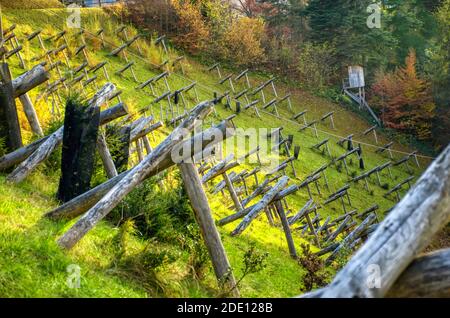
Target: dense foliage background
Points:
(311, 42)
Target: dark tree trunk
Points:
(78, 150)
(9, 121)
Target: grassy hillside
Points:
(31, 264)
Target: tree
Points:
(406, 100)
(344, 23)
(193, 33)
(438, 70)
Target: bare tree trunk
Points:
(21, 154)
(47, 147)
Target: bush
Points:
(242, 42)
(317, 66)
(315, 276)
(157, 213)
(405, 100)
(193, 33)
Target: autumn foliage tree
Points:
(405, 100)
(193, 33)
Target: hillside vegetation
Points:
(118, 259)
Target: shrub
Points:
(315, 276)
(254, 261)
(193, 33)
(317, 65)
(242, 43)
(157, 213)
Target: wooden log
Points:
(255, 193)
(144, 132)
(300, 214)
(286, 229)
(31, 115)
(373, 208)
(9, 120)
(80, 134)
(133, 178)
(345, 244)
(260, 206)
(231, 190)
(85, 201)
(211, 236)
(29, 80)
(404, 233)
(105, 155)
(427, 276)
(327, 249)
(46, 148)
(217, 169)
(339, 230)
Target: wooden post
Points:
(286, 228)
(9, 120)
(202, 211)
(31, 115)
(404, 233)
(46, 148)
(105, 155)
(78, 149)
(132, 179)
(234, 197)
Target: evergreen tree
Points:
(344, 23)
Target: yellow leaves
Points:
(193, 31)
(242, 41)
(209, 26)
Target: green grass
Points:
(31, 264)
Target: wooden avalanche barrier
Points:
(131, 179)
(84, 202)
(400, 237)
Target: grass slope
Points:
(31, 265)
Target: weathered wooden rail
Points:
(398, 239)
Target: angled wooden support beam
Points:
(351, 237)
(133, 178)
(84, 202)
(105, 155)
(400, 237)
(260, 206)
(286, 229)
(211, 236)
(328, 115)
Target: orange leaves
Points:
(194, 32)
(405, 99)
